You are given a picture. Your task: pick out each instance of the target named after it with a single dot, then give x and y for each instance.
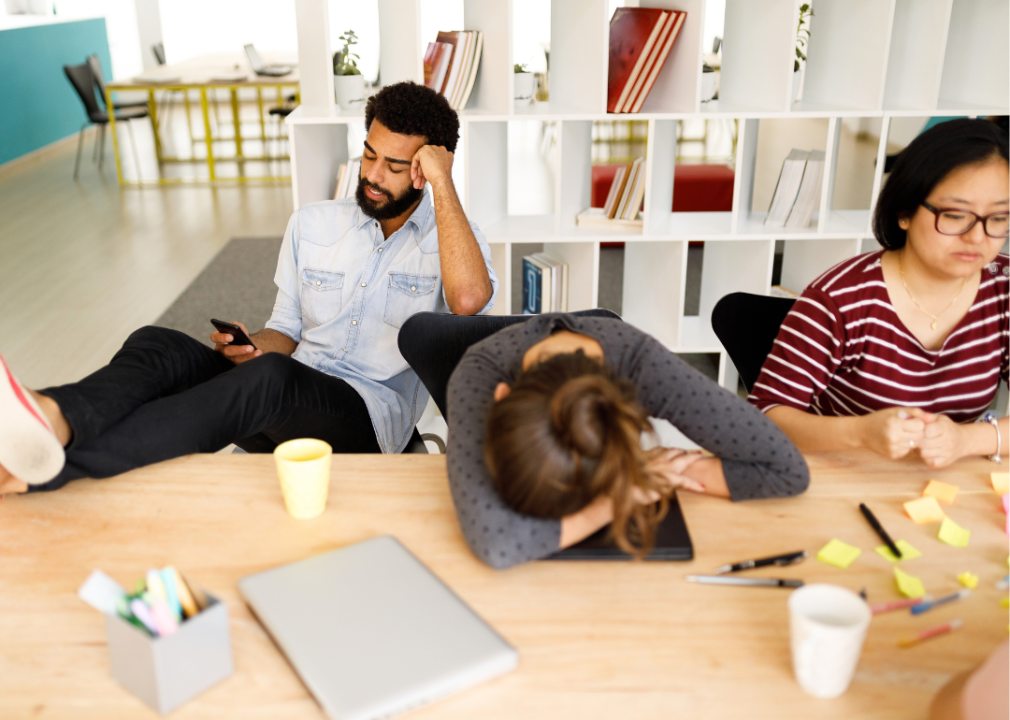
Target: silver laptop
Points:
(372, 632)
(260, 69)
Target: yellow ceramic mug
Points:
(303, 467)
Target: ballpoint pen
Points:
(879, 529)
(748, 581)
(932, 632)
(892, 605)
(780, 560)
(922, 607)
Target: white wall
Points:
(197, 27)
(148, 30)
(121, 27)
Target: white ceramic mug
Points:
(828, 625)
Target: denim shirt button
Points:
(413, 288)
(364, 284)
(354, 322)
(319, 282)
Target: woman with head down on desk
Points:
(902, 350)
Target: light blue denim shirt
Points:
(343, 292)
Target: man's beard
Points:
(393, 207)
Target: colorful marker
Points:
(155, 586)
(171, 594)
(163, 618)
(925, 606)
(931, 633)
(893, 605)
(185, 596)
(143, 613)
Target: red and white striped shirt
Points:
(842, 350)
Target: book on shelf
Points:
(545, 284)
(635, 193)
(616, 191)
(347, 179)
(456, 80)
(596, 218)
(436, 63)
(779, 291)
(635, 174)
(787, 188)
(640, 42)
(809, 196)
(624, 201)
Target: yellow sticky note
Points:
(909, 585)
(907, 552)
(1000, 482)
(953, 534)
(968, 580)
(1004, 603)
(838, 554)
(924, 510)
(943, 492)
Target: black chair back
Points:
(83, 80)
(96, 69)
(746, 325)
(159, 52)
(434, 343)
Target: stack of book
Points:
(347, 179)
(640, 42)
(624, 201)
(545, 284)
(450, 65)
(798, 191)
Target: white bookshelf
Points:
(866, 59)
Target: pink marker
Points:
(898, 604)
(932, 632)
(163, 617)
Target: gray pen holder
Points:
(165, 672)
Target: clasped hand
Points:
(669, 465)
(895, 432)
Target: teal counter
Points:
(40, 105)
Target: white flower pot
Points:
(708, 85)
(350, 90)
(525, 87)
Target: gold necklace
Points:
(901, 269)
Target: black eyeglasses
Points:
(953, 221)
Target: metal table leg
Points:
(207, 134)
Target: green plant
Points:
(520, 68)
(802, 35)
(347, 64)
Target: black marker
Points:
(780, 560)
(879, 529)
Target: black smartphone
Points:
(238, 334)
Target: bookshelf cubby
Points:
(877, 59)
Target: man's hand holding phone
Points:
(232, 341)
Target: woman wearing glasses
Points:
(902, 350)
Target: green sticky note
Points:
(838, 554)
(907, 552)
(953, 534)
(909, 585)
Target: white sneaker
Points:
(29, 449)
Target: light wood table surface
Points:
(596, 640)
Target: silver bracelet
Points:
(991, 419)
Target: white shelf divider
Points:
(317, 152)
(653, 297)
(583, 272)
(573, 186)
(486, 158)
(401, 54)
(315, 64)
(757, 55)
(660, 161)
(734, 266)
(746, 162)
(804, 260)
(830, 172)
(500, 255)
(915, 61)
(493, 90)
(878, 170)
(976, 64)
(847, 54)
(580, 40)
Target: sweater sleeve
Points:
(758, 460)
(496, 533)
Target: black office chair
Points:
(83, 80)
(746, 325)
(434, 343)
(159, 52)
(96, 68)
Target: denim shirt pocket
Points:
(408, 295)
(321, 294)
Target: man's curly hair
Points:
(407, 108)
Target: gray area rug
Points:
(238, 284)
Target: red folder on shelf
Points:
(633, 33)
(436, 63)
(452, 38)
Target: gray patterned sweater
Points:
(758, 459)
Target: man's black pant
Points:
(165, 395)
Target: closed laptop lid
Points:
(254, 58)
(372, 632)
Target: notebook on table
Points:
(372, 632)
(673, 542)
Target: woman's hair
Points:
(407, 108)
(567, 433)
(924, 163)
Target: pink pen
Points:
(932, 632)
(898, 604)
(163, 617)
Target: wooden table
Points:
(596, 640)
(198, 74)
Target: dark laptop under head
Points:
(672, 542)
